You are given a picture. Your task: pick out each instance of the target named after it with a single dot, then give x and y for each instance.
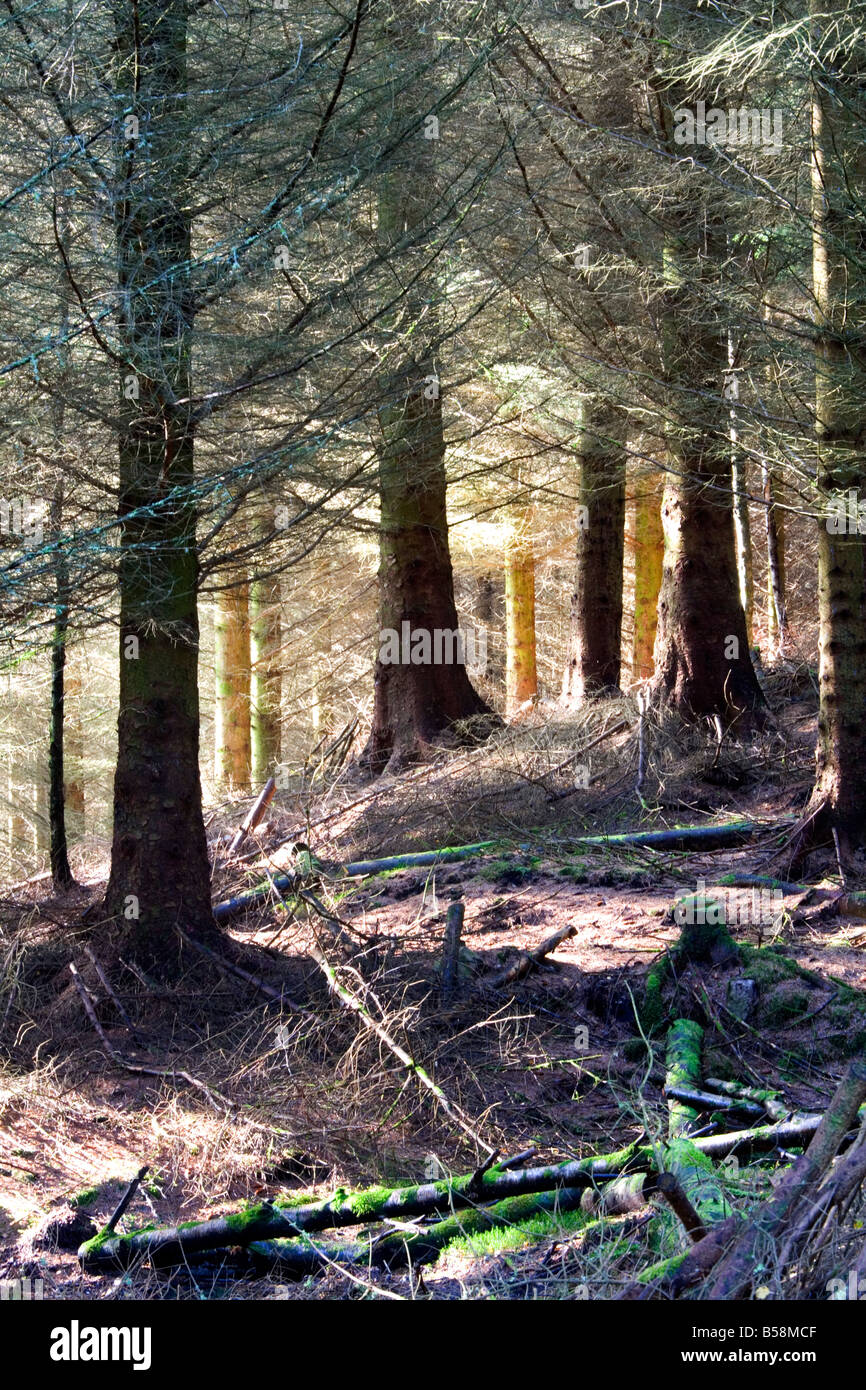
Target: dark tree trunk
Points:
(839, 188)
(415, 704)
(159, 861)
(61, 873)
(595, 639)
(702, 660)
(58, 853)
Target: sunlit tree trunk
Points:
(521, 677)
(740, 487)
(265, 636)
(777, 617)
(416, 703)
(702, 660)
(232, 738)
(649, 546)
(73, 761)
(61, 873)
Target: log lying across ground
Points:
(360, 869)
(685, 837)
(530, 959)
(701, 837)
(173, 1245)
(176, 1245)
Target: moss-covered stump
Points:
(702, 942)
(652, 1010)
(704, 936)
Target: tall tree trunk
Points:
(838, 194)
(521, 675)
(740, 487)
(777, 617)
(267, 676)
(416, 702)
(743, 539)
(595, 640)
(61, 873)
(232, 725)
(702, 660)
(73, 745)
(159, 861)
(649, 547)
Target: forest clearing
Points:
(433, 662)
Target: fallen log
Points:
(531, 959)
(764, 1229)
(360, 869)
(174, 1245)
(705, 1100)
(378, 1204)
(683, 1063)
(256, 812)
(767, 1100)
(629, 1193)
(398, 1249)
(706, 837)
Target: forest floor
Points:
(555, 1062)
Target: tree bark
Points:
(232, 748)
(159, 861)
(267, 677)
(649, 546)
(61, 873)
(593, 662)
(521, 676)
(777, 617)
(702, 661)
(73, 754)
(838, 192)
(417, 703)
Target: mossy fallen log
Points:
(778, 885)
(683, 1063)
(177, 1244)
(769, 1101)
(760, 1235)
(707, 1100)
(360, 869)
(532, 1216)
(174, 1245)
(398, 1248)
(686, 837)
